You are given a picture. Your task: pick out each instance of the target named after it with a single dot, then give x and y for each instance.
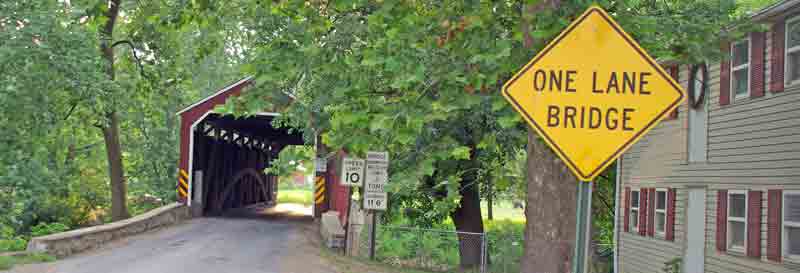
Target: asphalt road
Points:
(244, 242)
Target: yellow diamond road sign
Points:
(592, 92)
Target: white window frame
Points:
(740, 67)
(785, 238)
(664, 211)
(637, 209)
(786, 50)
(737, 219)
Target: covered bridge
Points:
(229, 154)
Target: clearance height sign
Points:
(592, 92)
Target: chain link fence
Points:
(438, 250)
(504, 252)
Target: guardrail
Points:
(74, 241)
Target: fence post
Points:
(485, 252)
(420, 250)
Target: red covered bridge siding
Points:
(225, 147)
(193, 114)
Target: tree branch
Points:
(71, 109)
(135, 56)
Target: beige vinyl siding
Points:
(720, 262)
(648, 164)
(754, 144)
(643, 253)
(760, 137)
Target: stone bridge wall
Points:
(70, 242)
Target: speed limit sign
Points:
(352, 172)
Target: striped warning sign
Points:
(183, 184)
(319, 192)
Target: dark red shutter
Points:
(754, 224)
(675, 72)
(643, 212)
(670, 225)
(777, 56)
(651, 213)
(758, 42)
(725, 75)
(774, 222)
(627, 223)
(722, 219)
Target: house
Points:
(716, 186)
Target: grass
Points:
(7, 262)
(503, 210)
(347, 264)
(295, 196)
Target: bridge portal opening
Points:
(229, 157)
(223, 157)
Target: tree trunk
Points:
(467, 218)
(116, 173)
(550, 212)
(119, 207)
(551, 197)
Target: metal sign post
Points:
(375, 197)
(580, 260)
(372, 228)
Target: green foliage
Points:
(673, 266)
(418, 79)
(9, 241)
(13, 244)
(56, 90)
(7, 262)
(293, 159)
(603, 198)
(43, 229)
(141, 207)
(402, 247)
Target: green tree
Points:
(59, 88)
(410, 77)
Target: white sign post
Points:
(377, 175)
(352, 172)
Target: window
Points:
(740, 69)
(737, 220)
(792, 58)
(634, 210)
(791, 225)
(661, 211)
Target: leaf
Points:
(509, 121)
(461, 152)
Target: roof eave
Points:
(223, 90)
(776, 9)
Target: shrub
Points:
(43, 229)
(13, 244)
(672, 266)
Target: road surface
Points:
(245, 242)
